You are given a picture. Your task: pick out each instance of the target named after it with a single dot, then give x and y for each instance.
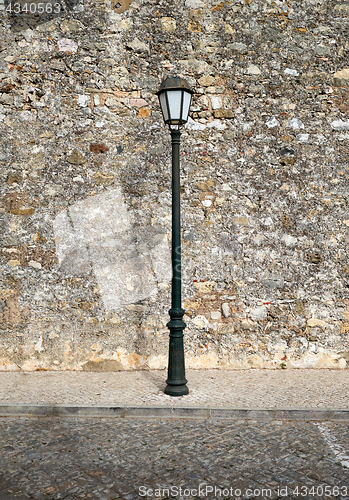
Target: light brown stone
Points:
(240, 221)
(23, 211)
(217, 7)
(168, 24)
(341, 77)
(14, 262)
(223, 113)
(194, 27)
(206, 81)
(144, 112)
(205, 186)
(345, 328)
(76, 158)
(205, 286)
(120, 5)
(71, 25)
(315, 322)
(342, 8)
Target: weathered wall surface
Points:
(85, 184)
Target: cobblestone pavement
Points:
(208, 388)
(67, 458)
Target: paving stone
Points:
(229, 389)
(108, 459)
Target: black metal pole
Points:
(176, 381)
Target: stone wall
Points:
(85, 197)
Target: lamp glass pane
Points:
(186, 105)
(174, 101)
(163, 104)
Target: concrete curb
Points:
(86, 411)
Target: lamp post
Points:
(175, 97)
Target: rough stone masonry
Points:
(85, 197)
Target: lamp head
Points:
(175, 98)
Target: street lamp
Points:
(175, 97)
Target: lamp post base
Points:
(176, 381)
(177, 390)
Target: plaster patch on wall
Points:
(127, 264)
(104, 365)
(11, 313)
(6, 365)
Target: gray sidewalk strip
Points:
(86, 411)
(304, 394)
